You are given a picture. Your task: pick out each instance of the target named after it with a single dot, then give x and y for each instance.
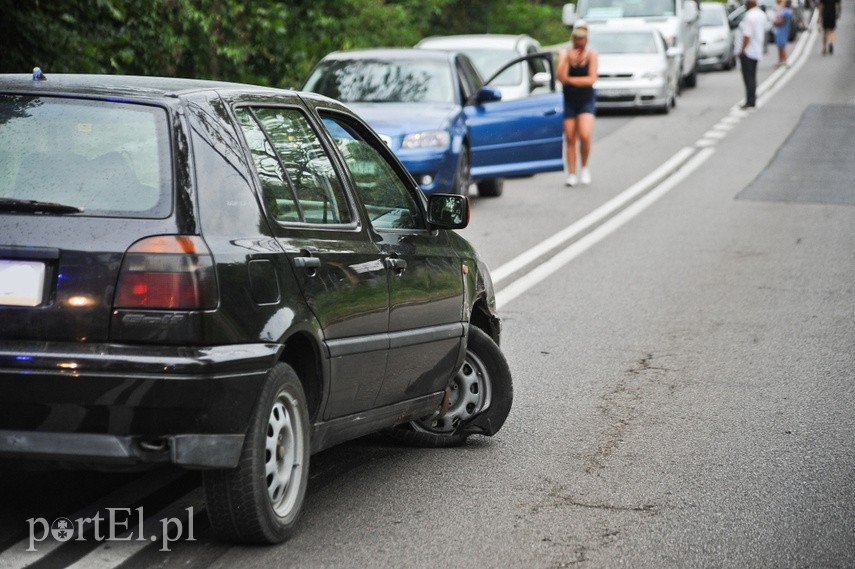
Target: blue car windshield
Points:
(383, 81)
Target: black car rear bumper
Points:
(116, 404)
(191, 451)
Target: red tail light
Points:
(174, 272)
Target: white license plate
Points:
(617, 92)
(22, 283)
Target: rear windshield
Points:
(104, 158)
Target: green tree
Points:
(264, 42)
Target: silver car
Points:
(636, 69)
(489, 52)
(717, 49)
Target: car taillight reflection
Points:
(167, 272)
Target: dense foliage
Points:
(255, 41)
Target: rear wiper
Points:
(34, 206)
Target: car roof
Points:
(135, 86)
(391, 53)
(717, 6)
(484, 41)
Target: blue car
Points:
(447, 126)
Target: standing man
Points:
(828, 14)
(753, 28)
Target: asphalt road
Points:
(683, 362)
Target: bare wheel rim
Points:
(469, 396)
(283, 454)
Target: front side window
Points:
(389, 203)
(489, 61)
(298, 181)
(104, 158)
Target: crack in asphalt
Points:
(621, 405)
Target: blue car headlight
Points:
(427, 139)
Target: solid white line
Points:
(769, 87)
(111, 554)
(17, 556)
(591, 219)
(544, 270)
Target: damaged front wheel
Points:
(479, 400)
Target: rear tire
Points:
(462, 176)
(260, 500)
(491, 188)
(481, 394)
(692, 78)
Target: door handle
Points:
(550, 112)
(307, 262)
(395, 264)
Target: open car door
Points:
(518, 137)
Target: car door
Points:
(517, 137)
(425, 275)
(337, 264)
(691, 30)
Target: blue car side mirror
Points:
(488, 94)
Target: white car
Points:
(489, 52)
(717, 48)
(636, 69)
(677, 20)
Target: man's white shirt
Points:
(753, 27)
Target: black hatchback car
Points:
(230, 278)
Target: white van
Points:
(677, 20)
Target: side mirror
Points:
(568, 14)
(487, 94)
(448, 211)
(541, 79)
(672, 52)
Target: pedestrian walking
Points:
(577, 72)
(783, 21)
(829, 13)
(753, 28)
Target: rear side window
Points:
(105, 158)
(297, 177)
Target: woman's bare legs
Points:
(570, 138)
(584, 127)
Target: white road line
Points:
(111, 554)
(17, 556)
(544, 270)
(591, 219)
(765, 91)
(800, 55)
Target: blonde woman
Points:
(577, 71)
